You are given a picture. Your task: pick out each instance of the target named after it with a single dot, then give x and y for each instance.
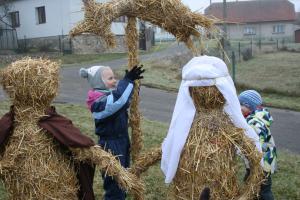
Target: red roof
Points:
(254, 11)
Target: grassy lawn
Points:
(272, 73)
(275, 75)
(285, 182)
(89, 58)
(70, 59)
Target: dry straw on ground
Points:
(32, 164)
(209, 155)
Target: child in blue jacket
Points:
(108, 103)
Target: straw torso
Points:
(37, 167)
(208, 158)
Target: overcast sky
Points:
(200, 5)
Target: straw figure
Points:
(42, 155)
(170, 15)
(199, 152)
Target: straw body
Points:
(209, 158)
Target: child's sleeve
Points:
(261, 131)
(108, 105)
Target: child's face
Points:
(108, 78)
(245, 110)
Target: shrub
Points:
(247, 54)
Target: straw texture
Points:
(111, 166)
(170, 15)
(35, 166)
(32, 164)
(209, 155)
(146, 160)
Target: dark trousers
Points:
(265, 189)
(120, 148)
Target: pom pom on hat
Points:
(94, 76)
(251, 99)
(83, 73)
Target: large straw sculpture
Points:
(34, 165)
(170, 15)
(208, 159)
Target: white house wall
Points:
(263, 30)
(61, 17)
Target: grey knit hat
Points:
(251, 99)
(94, 76)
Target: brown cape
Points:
(67, 135)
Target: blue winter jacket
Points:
(110, 111)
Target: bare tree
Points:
(5, 7)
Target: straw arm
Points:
(170, 15)
(249, 150)
(145, 161)
(111, 166)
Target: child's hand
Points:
(135, 73)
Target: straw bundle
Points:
(135, 116)
(170, 15)
(35, 165)
(111, 166)
(209, 155)
(146, 160)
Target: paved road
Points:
(158, 105)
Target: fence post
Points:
(251, 47)
(233, 66)
(25, 45)
(283, 42)
(259, 44)
(277, 45)
(240, 52)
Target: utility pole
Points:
(224, 27)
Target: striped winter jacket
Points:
(260, 120)
(110, 111)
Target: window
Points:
(249, 30)
(278, 28)
(14, 18)
(40, 15)
(121, 19)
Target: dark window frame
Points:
(15, 19)
(41, 14)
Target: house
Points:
(46, 24)
(257, 19)
(297, 31)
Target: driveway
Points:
(158, 105)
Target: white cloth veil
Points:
(200, 71)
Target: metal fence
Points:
(8, 39)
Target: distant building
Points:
(262, 19)
(46, 24)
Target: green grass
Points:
(89, 58)
(71, 59)
(285, 182)
(276, 73)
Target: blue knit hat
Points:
(251, 99)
